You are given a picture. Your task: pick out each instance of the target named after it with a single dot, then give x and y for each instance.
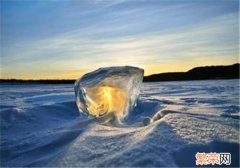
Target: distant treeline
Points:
(198, 73)
(41, 81)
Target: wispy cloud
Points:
(119, 40)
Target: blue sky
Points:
(65, 39)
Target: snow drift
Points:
(41, 126)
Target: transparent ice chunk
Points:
(109, 90)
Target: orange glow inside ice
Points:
(106, 99)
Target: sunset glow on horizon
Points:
(66, 39)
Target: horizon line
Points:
(144, 75)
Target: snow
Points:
(41, 126)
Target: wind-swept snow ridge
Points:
(110, 91)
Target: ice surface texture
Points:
(109, 90)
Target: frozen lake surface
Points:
(41, 126)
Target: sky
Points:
(60, 39)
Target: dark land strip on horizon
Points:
(197, 73)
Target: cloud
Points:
(111, 42)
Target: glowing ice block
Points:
(109, 90)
